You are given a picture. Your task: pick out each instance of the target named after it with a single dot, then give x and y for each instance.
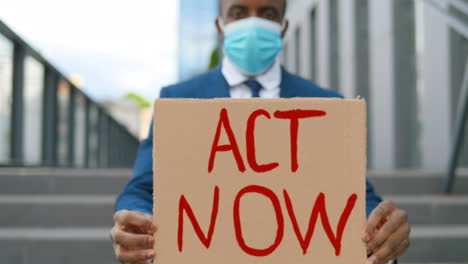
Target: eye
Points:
(237, 13)
(269, 14)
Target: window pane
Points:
(93, 137)
(6, 81)
(33, 96)
(63, 94)
(80, 130)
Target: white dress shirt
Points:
(270, 80)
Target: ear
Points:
(218, 27)
(285, 29)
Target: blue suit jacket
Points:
(138, 193)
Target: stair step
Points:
(54, 246)
(112, 181)
(415, 182)
(56, 211)
(63, 181)
(31, 234)
(97, 210)
(439, 232)
(433, 210)
(64, 215)
(431, 244)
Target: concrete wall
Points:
(397, 54)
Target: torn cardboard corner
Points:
(259, 181)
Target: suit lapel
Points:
(216, 87)
(287, 86)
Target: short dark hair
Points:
(285, 6)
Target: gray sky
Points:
(115, 46)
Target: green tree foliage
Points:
(215, 59)
(142, 102)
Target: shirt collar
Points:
(270, 79)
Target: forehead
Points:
(225, 4)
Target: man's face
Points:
(233, 10)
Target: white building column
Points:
(302, 14)
(290, 51)
(307, 46)
(393, 97)
(346, 11)
(354, 51)
(323, 43)
(382, 97)
(435, 96)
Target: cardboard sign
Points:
(259, 181)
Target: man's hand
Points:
(386, 233)
(133, 237)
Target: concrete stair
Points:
(57, 215)
(64, 216)
(439, 222)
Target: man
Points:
(252, 32)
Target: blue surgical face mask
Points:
(252, 44)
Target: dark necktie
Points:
(255, 87)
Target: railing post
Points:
(103, 141)
(87, 132)
(98, 136)
(17, 105)
(112, 149)
(109, 142)
(49, 149)
(71, 127)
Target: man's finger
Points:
(391, 247)
(136, 219)
(402, 248)
(131, 241)
(394, 222)
(134, 256)
(369, 250)
(376, 217)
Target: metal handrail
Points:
(462, 107)
(12, 36)
(461, 117)
(451, 20)
(119, 154)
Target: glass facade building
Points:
(197, 36)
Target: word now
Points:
(293, 116)
(319, 209)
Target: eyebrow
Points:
(270, 7)
(234, 6)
